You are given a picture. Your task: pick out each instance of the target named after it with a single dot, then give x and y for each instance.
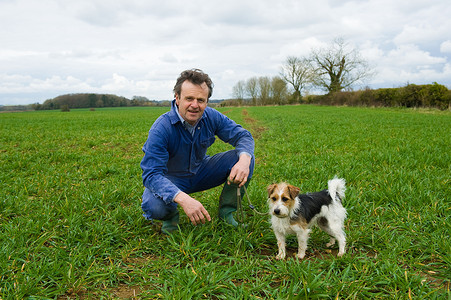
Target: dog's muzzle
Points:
(278, 213)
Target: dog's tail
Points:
(337, 188)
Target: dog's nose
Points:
(277, 211)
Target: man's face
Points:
(192, 101)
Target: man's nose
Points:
(195, 103)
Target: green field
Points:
(71, 226)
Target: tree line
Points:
(411, 95)
(260, 91)
(334, 69)
(428, 95)
(90, 100)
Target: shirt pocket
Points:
(201, 151)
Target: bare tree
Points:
(239, 91)
(298, 73)
(278, 90)
(338, 66)
(264, 84)
(252, 89)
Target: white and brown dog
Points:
(294, 213)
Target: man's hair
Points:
(195, 76)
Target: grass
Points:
(71, 224)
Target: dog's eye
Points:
(284, 199)
(273, 199)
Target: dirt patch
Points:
(123, 291)
(291, 253)
(141, 260)
(253, 125)
(316, 254)
(433, 277)
(127, 292)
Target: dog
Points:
(295, 213)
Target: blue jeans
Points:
(213, 172)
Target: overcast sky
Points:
(138, 48)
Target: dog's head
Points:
(282, 199)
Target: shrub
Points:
(430, 95)
(438, 96)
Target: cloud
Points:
(411, 56)
(28, 84)
(445, 47)
(138, 47)
(408, 63)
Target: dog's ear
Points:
(271, 188)
(293, 190)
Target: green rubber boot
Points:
(228, 202)
(171, 224)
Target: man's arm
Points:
(234, 134)
(154, 166)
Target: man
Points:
(175, 163)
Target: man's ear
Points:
(177, 99)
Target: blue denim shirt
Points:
(171, 150)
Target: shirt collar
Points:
(178, 114)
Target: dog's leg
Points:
(338, 234)
(280, 244)
(302, 235)
(331, 242)
(341, 242)
(323, 223)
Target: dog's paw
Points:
(300, 255)
(331, 243)
(280, 256)
(340, 254)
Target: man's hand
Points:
(240, 171)
(195, 211)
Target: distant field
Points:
(71, 224)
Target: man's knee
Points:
(155, 208)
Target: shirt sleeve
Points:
(154, 167)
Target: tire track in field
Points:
(257, 130)
(253, 125)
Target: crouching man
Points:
(175, 163)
